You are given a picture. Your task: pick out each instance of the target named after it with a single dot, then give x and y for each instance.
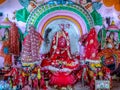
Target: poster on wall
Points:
(102, 84)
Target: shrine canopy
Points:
(54, 10)
(113, 27)
(6, 23)
(55, 15)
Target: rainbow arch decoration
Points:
(46, 13)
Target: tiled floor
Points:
(116, 86)
(78, 86)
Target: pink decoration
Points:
(63, 13)
(112, 27)
(31, 45)
(27, 87)
(62, 79)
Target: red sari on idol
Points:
(60, 61)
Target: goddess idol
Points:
(59, 61)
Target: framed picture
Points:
(102, 85)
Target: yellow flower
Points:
(24, 74)
(31, 65)
(100, 73)
(39, 74)
(92, 65)
(98, 65)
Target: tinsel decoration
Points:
(31, 45)
(14, 40)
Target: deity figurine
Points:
(92, 7)
(39, 76)
(5, 49)
(21, 79)
(61, 61)
(10, 42)
(110, 41)
(85, 3)
(10, 81)
(22, 14)
(32, 5)
(30, 81)
(40, 80)
(60, 46)
(14, 74)
(92, 82)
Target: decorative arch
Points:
(78, 14)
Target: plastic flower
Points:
(110, 3)
(92, 65)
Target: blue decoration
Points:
(4, 86)
(1, 14)
(25, 34)
(6, 50)
(60, 2)
(96, 5)
(24, 3)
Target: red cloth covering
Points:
(35, 83)
(45, 62)
(92, 83)
(21, 79)
(91, 46)
(62, 79)
(42, 84)
(60, 58)
(14, 40)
